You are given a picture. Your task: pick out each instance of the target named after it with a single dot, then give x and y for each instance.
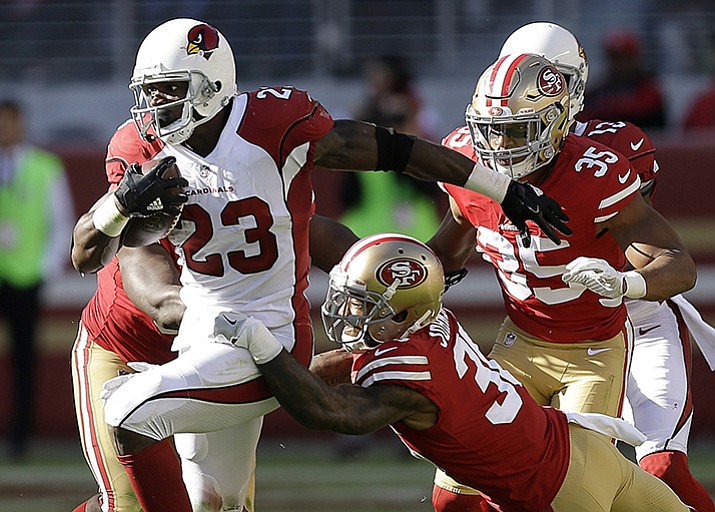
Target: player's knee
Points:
(191, 447)
(127, 442)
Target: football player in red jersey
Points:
(567, 336)
(659, 400)
(418, 371)
(242, 240)
(133, 316)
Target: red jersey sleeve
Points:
(126, 147)
(283, 118)
(630, 141)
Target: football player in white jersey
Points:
(242, 239)
(659, 401)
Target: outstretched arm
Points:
(329, 240)
(358, 146)
(347, 409)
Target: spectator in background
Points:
(36, 218)
(627, 92)
(389, 201)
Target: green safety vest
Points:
(24, 219)
(388, 206)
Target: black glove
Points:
(454, 277)
(524, 201)
(146, 195)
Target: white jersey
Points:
(243, 234)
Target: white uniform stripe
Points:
(605, 217)
(502, 74)
(608, 201)
(294, 163)
(379, 363)
(380, 376)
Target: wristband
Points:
(262, 345)
(490, 183)
(108, 219)
(634, 284)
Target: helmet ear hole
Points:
(217, 85)
(400, 317)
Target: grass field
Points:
(292, 476)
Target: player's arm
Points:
(95, 238)
(91, 248)
(654, 249)
(455, 239)
(662, 265)
(329, 239)
(358, 146)
(347, 409)
(151, 281)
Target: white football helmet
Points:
(386, 287)
(183, 50)
(519, 114)
(558, 45)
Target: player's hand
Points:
(144, 195)
(600, 277)
(141, 366)
(454, 277)
(524, 201)
(109, 387)
(228, 327)
(246, 332)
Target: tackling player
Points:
(418, 371)
(242, 240)
(659, 400)
(567, 336)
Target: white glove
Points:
(246, 332)
(600, 277)
(227, 327)
(141, 366)
(109, 387)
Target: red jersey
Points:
(490, 434)
(110, 317)
(592, 183)
(628, 140)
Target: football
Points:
(141, 231)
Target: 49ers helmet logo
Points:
(550, 81)
(202, 39)
(410, 273)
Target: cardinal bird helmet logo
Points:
(202, 40)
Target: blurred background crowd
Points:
(411, 64)
(70, 60)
